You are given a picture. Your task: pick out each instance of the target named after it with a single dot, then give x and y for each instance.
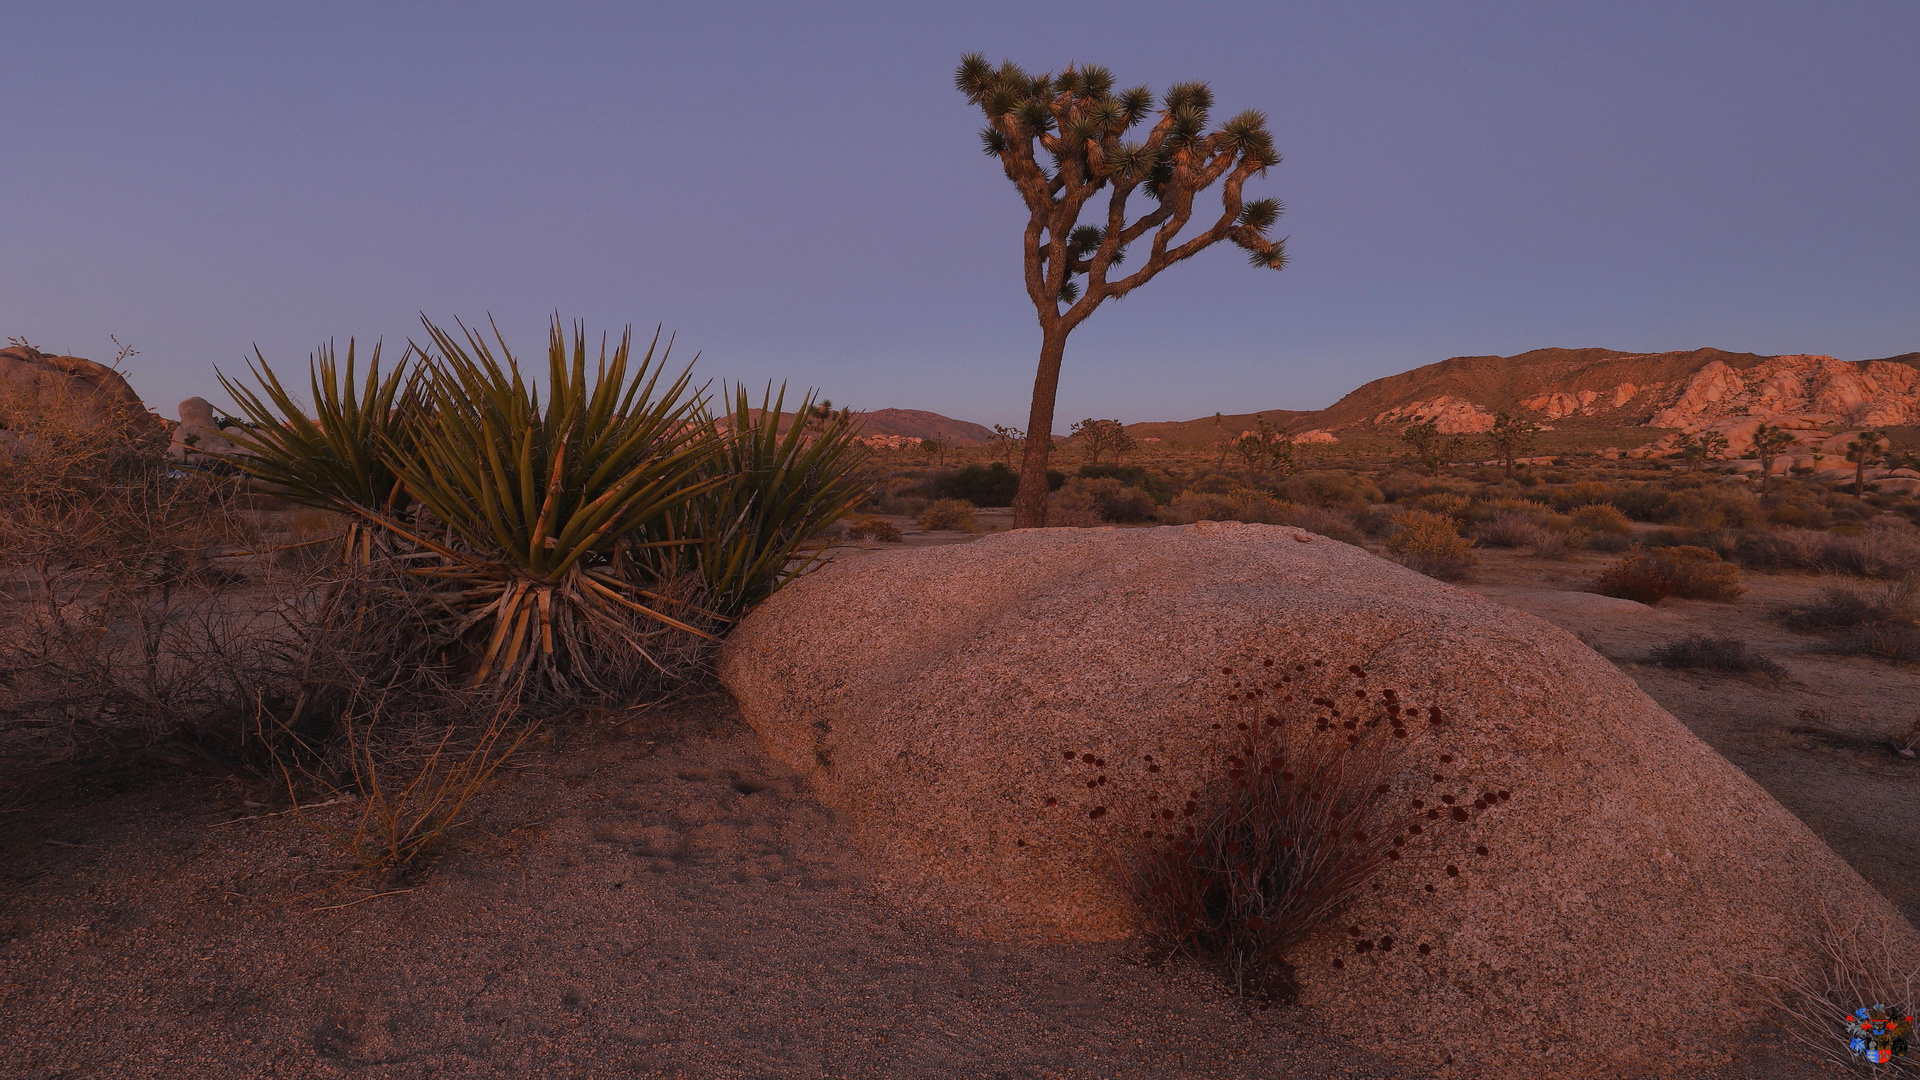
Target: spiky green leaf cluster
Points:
(544, 519)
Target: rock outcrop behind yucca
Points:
(39, 392)
(933, 696)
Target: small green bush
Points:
(1692, 573)
(981, 485)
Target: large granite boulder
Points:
(198, 438)
(943, 698)
(66, 394)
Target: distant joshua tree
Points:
(1268, 445)
(1511, 437)
(1769, 441)
(822, 414)
(1007, 437)
(1706, 446)
(1103, 436)
(1868, 445)
(1059, 139)
(1427, 444)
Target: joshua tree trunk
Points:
(1030, 503)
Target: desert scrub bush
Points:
(1239, 504)
(1512, 529)
(409, 803)
(1884, 549)
(116, 588)
(1691, 573)
(1452, 505)
(1156, 482)
(1297, 809)
(948, 515)
(1334, 524)
(1711, 509)
(1569, 497)
(1881, 622)
(1601, 517)
(1857, 970)
(1703, 652)
(1641, 502)
(876, 529)
(1350, 490)
(1787, 549)
(1106, 499)
(1430, 544)
(982, 485)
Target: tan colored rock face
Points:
(1808, 390)
(932, 695)
(1451, 416)
(36, 388)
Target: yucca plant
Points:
(336, 459)
(526, 505)
(756, 527)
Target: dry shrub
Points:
(1788, 548)
(410, 800)
(1691, 573)
(122, 623)
(1236, 504)
(1511, 529)
(944, 515)
(1430, 544)
(1330, 522)
(1602, 518)
(1582, 493)
(1856, 968)
(875, 529)
(1298, 811)
(1712, 509)
(1105, 499)
(1452, 505)
(1881, 622)
(1703, 652)
(1885, 549)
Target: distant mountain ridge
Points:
(1689, 391)
(920, 424)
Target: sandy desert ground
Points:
(653, 898)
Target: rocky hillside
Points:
(920, 424)
(1687, 391)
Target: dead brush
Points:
(1305, 800)
(410, 802)
(1856, 967)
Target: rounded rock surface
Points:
(933, 696)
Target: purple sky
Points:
(797, 190)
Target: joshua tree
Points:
(934, 447)
(1007, 437)
(822, 415)
(1270, 444)
(1427, 445)
(1101, 436)
(1510, 437)
(1694, 449)
(1863, 448)
(1059, 139)
(1768, 441)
